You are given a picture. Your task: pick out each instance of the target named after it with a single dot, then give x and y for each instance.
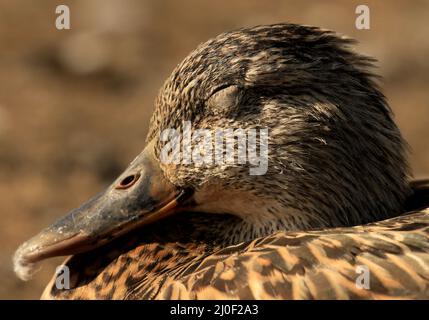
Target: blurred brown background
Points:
(75, 104)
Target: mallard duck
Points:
(335, 197)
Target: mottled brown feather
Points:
(296, 265)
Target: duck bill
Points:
(141, 195)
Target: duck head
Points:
(320, 147)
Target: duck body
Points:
(324, 264)
(333, 216)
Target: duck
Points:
(335, 213)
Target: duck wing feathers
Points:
(383, 260)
